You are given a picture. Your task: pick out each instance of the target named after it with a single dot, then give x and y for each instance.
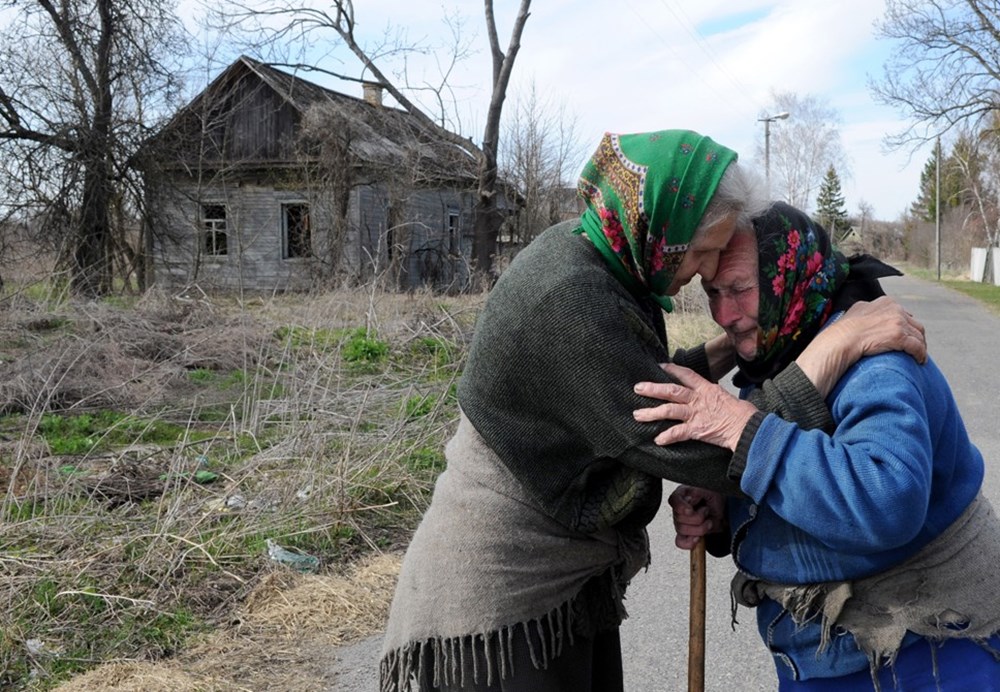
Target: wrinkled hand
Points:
(697, 512)
(704, 411)
(883, 325)
(866, 329)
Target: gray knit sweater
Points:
(550, 373)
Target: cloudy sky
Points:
(708, 65)
(711, 65)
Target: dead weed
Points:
(281, 639)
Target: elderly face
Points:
(733, 294)
(702, 257)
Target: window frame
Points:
(213, 228)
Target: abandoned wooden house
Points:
(269, 182)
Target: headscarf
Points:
(646, 194)
(803, 280)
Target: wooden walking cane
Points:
(696, 631)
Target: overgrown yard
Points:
(209, 495)
(220, 487)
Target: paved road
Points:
(963, 338)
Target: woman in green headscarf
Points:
(514, 579)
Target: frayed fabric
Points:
(948, 590)
(490, 654)
(487, 566)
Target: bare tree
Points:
(803, 147)
(977, 158)
(296, 22)
(79, 80)
(942, 74)
(944, 66)
(539, 155)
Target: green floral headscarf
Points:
(646, 194)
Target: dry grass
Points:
(320, 422)
(279, 639)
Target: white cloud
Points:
(638, 65)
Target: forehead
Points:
(737, 263)
(716, 237)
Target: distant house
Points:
(568, 203)
(850, 241)
(266, 181)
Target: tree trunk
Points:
(92, 256)
(91, 266)
(488, 218)
(485, 229)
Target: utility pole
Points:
(937, 204)
(767, 120)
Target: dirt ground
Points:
(284, 638)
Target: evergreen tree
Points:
(953, 181)
(830, 209)
(925, 206)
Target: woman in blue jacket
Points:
(867, 550)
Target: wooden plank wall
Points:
(433, 257)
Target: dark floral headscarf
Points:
(803, 280)
(799, 273)
(646, 194)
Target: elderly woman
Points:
(862, 545)
(514, 579)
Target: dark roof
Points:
(381, 135)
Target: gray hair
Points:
(741, 193)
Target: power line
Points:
(685, 22)
(680, 57)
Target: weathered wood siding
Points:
(246, 122)
(422, 238)
(412, 232)
(261, 125)
(254, 230)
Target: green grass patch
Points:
(52, 292)
(214, 413)
(304, 337)
(425, 459)
(164, 632)
(363, 348)
(418, 406)
(202, 375)
(84, 433)
(436, 351)
(359, 347)
(100, 628)
(236, 378)
(987, 294)
(13, 510)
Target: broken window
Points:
(454, 228)
(297, 241)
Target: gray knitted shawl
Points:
(508, 570)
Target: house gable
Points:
(268, 182)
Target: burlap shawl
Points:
(510, 567)
(947, 590)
